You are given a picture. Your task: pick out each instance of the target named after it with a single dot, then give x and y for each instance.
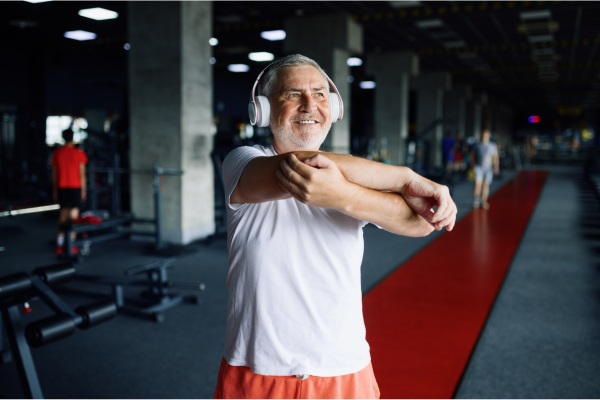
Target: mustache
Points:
(304, 117)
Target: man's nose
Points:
(307, 103)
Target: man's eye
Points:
(294, 95)
(320, 94)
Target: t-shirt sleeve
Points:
(233, 166)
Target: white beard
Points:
(301, 139)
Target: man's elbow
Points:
(425, 229)
(417, 227)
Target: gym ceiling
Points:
(538, 57)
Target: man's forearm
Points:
(388, 211)
(367, 173)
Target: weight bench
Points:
(107, 229)
(16, 291)
(155, 299)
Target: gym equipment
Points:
(119, 224)
(156, 298)
(16, 291)
(259, 109)
(12, 212)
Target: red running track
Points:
(424, 319)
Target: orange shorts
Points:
(242, 383)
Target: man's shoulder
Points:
(249, 151)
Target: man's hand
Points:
(431, 201)
(315, 181)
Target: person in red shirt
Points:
(68, 185)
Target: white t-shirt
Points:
(294, 282)
(484, 154)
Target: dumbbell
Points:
(61, 325)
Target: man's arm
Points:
(258, 184)
(322, 184)
(496, 161)
(83, 177)
(420, 194)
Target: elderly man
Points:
(295, 217)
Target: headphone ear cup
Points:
(334, 100)
(264, 112)
(252, 112)
(259, 111)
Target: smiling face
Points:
(300, 109)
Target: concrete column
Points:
(392, 72)
(455, 108)
(430, 88)
(170, 94)
(501, 123)
(329, 41)
(474, 116)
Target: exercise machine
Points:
(16, 293)
(156, 297)
(119, 223)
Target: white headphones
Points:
(259, 108)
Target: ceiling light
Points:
(543, 52)
(367, 85)
(261, 56)
(213, 41)
(97, 13)
(538, 27)
(454, 44)
(429, 23)
(273, 35)
(540, 38)
(238, 68)
(404, 4)
(37, 1)
(354, 62)
(80, 35)
(537, 14)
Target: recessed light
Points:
(261, 56)
(535, 14)
(238, 68)
(354, 62)
(80, 35)
(367, 85)
(429, 23)
(98, 13)
(273, 35)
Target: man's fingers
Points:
(446, 218)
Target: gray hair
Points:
(271, 74)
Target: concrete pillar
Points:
(170, 94)
(474, 116)
(501, 123)
(455, 109)
(329, 41)
(430, 88)
(392, 72)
